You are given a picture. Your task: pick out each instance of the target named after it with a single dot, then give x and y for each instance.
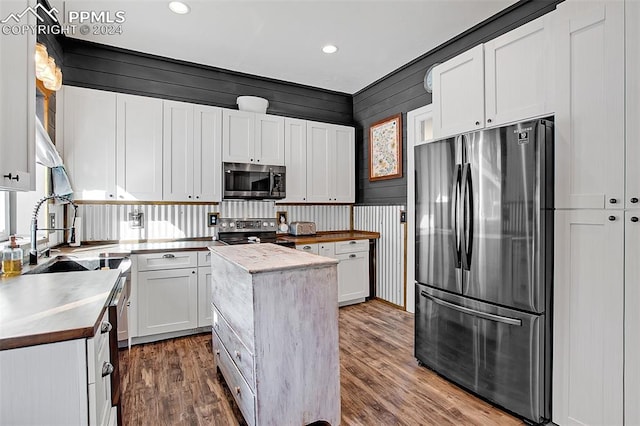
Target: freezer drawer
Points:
(495, 352)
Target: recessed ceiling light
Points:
(179, 7)
(330, 48)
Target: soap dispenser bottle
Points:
(12, 259)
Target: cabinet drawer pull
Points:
(12, 177)
(353, 242)
(634, 219)
(634, 200)
(352, 256)
(169, 256)
(237, 390)
(105, 327)
(306, 248)
(613, 200)
(612, 218)
(238, 356)
(107, 368)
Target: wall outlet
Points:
(212, 219)
(52, 220)
(403, 216)
(136, 220)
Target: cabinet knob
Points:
(352, 256)
(193, 272)
(250, 159)
(238, 355)
(189, 196)
(10, 176)
(612, 218)
(613, 200)
(110, 195)
(107, 368)
(488, 120)
(634, 219)
(477, 123)
(197, 197)
(634, 200)
(105, 327)
(304, 198)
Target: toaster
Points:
(302, 228)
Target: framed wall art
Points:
(385, 149)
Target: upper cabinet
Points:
(330, 163)
(590, 101)
(17, 102)
(192, 143)
(139, 148)
(632, 90)
(89, 137)
(250, 137)
(505, 80)
(295, 150)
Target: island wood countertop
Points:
(267, 257)
(48, 308)
(330, 237)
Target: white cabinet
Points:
(353, 268)
(18, 101)
(204, 289)
(330, 163)
(295, 151)
(192, 165)
(249, 137)
(62, 383)
(590, 102)
(167, 292)
(139, 148)
(508, 79)
(632, 318)
(588, 317)
(632, 146)
(89, 135)
(458, 94)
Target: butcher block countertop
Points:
(256, 258)
(330, 237)
(126, 249)
(47, 308)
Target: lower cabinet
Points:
(167, 301)
(353, 269)
(62, 383)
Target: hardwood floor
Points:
(174, 382)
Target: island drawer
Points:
(239, 389)
(351, 246)
(167, 260)
(239, 353)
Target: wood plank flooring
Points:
(174, 382)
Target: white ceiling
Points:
(283, 39)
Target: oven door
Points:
(253, 181)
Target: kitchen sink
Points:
(67, 264)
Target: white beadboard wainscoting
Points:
(390, 248)
(109, 222)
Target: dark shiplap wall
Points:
(107, 68)
(403, 91)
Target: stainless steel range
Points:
(250, 231)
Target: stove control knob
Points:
(223, 224)
(232, 225)
(265, 224)
(272, 224)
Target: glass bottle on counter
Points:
(12, 259)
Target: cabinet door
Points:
(18, 101)
(353, 276)
(90, 142)
(207, 160)
(295, 149)
(178, 152)
(344, 173)
(632, 318)
(632, 58)
(458, 94)
(589, 41)
(518, 74)
(204, 297)
(139, 148)
(269, 143)
(588, 317)
(238, 136)
(320, 166)
(167, 301)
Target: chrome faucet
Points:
(33, 252)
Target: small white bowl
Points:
(252, 104)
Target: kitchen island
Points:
(275, 332)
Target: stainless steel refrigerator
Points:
(484, 263)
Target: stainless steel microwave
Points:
(253, 181)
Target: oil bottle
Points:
(12, 259)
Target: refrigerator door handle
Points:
(467, 214)
(484, 315)
(455, 212)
